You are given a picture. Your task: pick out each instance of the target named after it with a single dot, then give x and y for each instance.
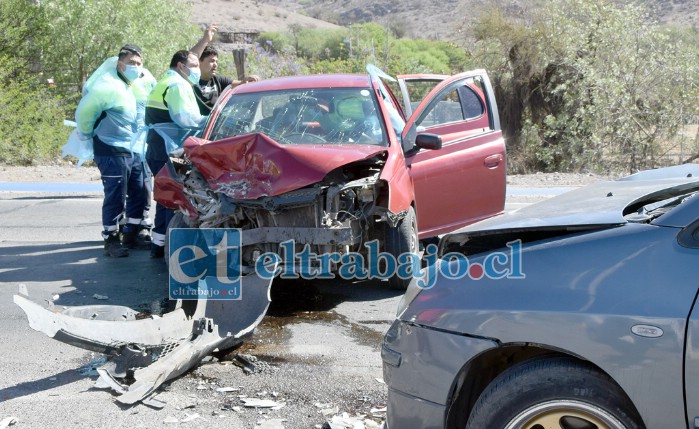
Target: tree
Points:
(82, 34)
(584, 84)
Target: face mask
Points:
(194, 75)
(132, 72)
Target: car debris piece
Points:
(155, 349)
(190, 418)
(345, 421)
(7, 421)
(271, 424)
(227, 389)
(262, 403)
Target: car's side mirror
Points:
(428, 141)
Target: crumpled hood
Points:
(599, 204)
(253, 165)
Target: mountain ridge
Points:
(444, 20)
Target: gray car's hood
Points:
(597, 205)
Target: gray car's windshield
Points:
(303, 116)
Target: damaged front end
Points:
(145, 352)
(329, 198)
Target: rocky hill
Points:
(443, 19)
(249, 16)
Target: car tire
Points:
(402, 239)
(177, 221)
(553, 392)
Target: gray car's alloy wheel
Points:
(553, 393)
(565, 414)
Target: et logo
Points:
(204, 264)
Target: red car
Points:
(336, 161)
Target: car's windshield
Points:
(303, 116)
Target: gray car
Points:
(577, 312)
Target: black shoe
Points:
(114, 248)
(157, 251)
(144, 234)
(134, 240)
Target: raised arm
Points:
(206, 38)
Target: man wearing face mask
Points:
(107, 113)
(172, 113)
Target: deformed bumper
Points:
(420, 367)
(151, 350)
(405, 412)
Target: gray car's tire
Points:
(177, 221)
(553, 392)
(402, 239)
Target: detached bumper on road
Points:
(420, 367)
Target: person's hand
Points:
(252, 78)
(210, 31)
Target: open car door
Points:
(464, 180)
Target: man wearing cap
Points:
(108, 114)
(172, 114)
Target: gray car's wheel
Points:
(402, 239)
(553, 393)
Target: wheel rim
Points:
(564, 414)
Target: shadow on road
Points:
(293, 297)
(82, 271)
(42, 385)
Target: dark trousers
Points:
(162, 213)
(124, 190)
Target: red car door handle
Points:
(493, 161)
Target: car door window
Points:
(471, 103)
(456, 110)
(459, 104)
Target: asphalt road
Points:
(317, 348)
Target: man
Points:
(107, 113)
(172, 113)
(210, 85)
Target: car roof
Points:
(308, 81)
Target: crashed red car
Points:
(333, 161)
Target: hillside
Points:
(250, 16)
(444, 19)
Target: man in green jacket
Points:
(173, 114)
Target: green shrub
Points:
(31, 120)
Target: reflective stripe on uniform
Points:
(158, 239)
